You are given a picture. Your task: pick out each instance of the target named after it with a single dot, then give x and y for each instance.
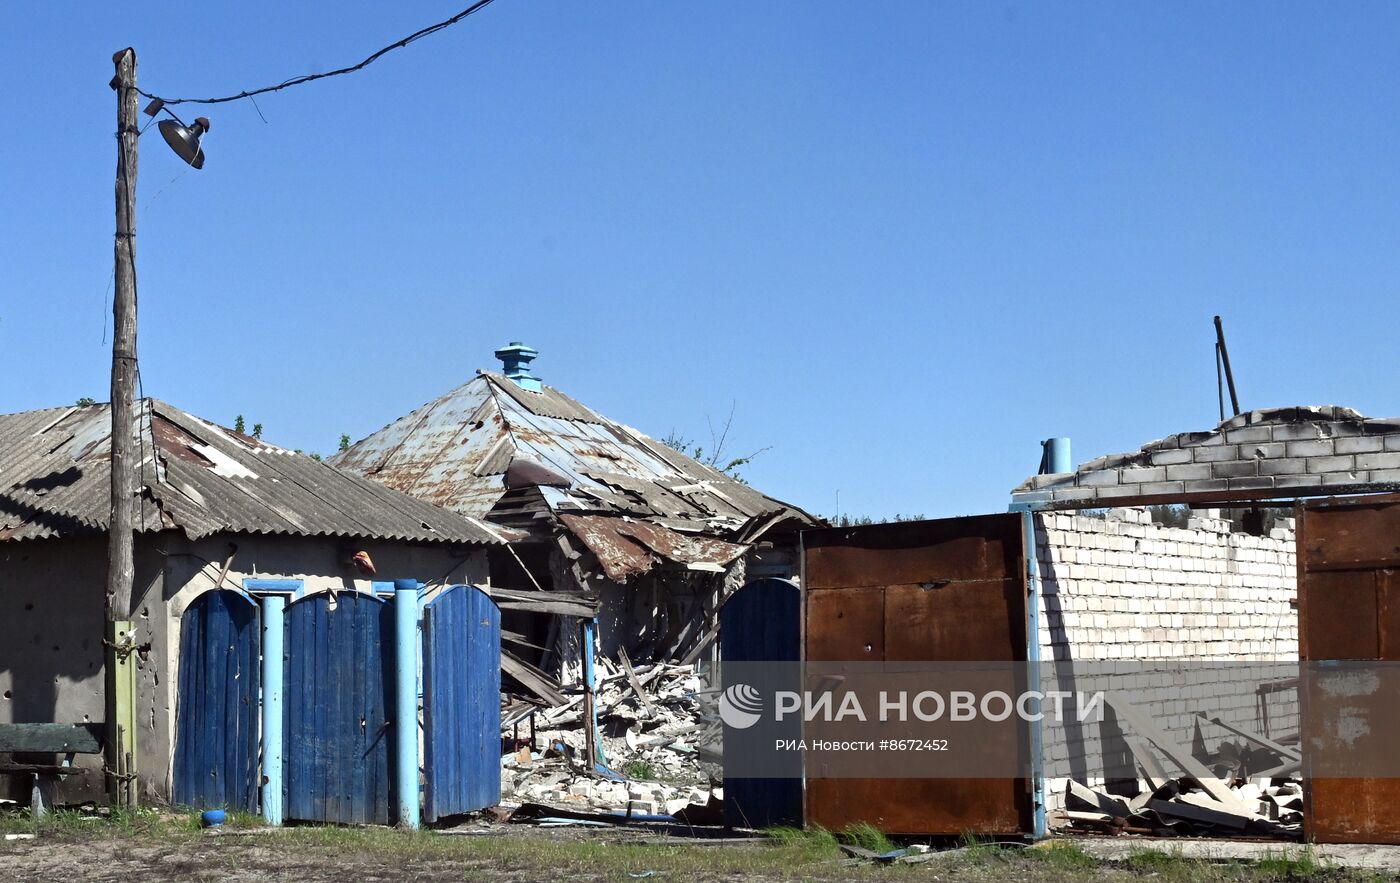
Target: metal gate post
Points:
(405, 727)
(1033, 592)
(273, 624)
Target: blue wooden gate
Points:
(217, 715)
(339, 683)
(461, 702)
(761, 623)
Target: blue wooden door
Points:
(461, 702)
(217, 716)
(337, 709)
(761, 623)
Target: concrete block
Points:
(1143, 473)
(1234, 469)
(1386, 476)
(1170, 456)
(1295, 431)
(1162, 487)
(1121, 490)
(1361, 444)
(1331, 464)
(1073, 494)
(1392, 442)
(1313, 448)
(1287, 466)
(1215, 453)
(1252, 483)
(1270, 450)
(1188, 472)
(1346, 478)
(1378, 461)
(1206, 485)
(1246, 434)
(1101, 477)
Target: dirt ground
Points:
(173, 849)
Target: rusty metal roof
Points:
(201, 478)
(455, 451)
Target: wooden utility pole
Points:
(121, 568)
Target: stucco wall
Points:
(51, 621)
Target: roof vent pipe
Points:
(1054, 456)
(516, 359)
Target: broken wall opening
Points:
(1194, 627)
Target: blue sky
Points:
(905, 240)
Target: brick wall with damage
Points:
(1178, 621)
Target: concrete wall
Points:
(51, 621)
(1179, 621)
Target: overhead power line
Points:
(297, 81)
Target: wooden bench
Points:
(65, 739)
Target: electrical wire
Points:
(307, 78)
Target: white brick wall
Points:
(1194, 618)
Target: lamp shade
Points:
(184, 140)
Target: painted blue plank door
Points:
(761, 623)
(337, 700)
(216, 716)
(462, 702)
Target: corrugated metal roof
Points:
(454, 450)
(201, 478)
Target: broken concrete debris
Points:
(659, 731)
(1237, 790)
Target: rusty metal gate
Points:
(867, 598)
(1348, 609)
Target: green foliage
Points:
(239, 425)
(344, 442)
(257, 430)
(1169, 514)
(639, 769)
(858, 520)
(716, 456)
(86, 402)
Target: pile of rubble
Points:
(1246, 787)
(657, 752)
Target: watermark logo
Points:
(740, 706)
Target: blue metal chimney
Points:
(516, 360)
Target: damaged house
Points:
(223, 521)
(656, 537)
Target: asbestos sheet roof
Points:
(456, 450)
(55, 468)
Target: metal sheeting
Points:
(952, 589)
(339, 687)
(628, 548)
(216, 719)
(202, 478)
(1348, 610)
(461, 702)
(453, 451)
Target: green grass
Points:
(1062, 855)
(867, 836)
(639, 770)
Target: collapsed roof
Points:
(492, 448)
(55, 468)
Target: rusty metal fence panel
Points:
(1349, 609)
(948, 590)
